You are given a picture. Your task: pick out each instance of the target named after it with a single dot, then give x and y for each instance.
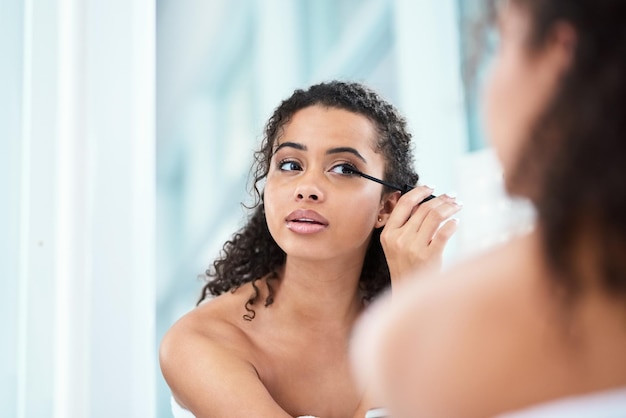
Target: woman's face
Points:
(519, 86)
(314, 208)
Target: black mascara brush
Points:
(403, 189)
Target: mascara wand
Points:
(403, 189)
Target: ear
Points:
(387, 204)
(561, 45)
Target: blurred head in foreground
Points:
(541, 317)
(555, 107)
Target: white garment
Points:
(180, 412)
(607, 404)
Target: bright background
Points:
(126, 134)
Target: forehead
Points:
(328, 125)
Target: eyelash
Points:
(283, 162)
(349, 167)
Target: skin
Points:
(521, 83)
(293, 359)
(494, 334)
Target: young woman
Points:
(537, 326)
(289, 286)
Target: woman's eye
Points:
(345, 169)
(289, 166)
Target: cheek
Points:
(504, 113)
(361, 214)
(272, 203)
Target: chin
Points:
(306, 251)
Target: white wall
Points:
(78, 292)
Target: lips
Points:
(306, 221)
(308, 216)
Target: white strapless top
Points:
(180, 412)
(606, 404)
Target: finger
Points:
(432, 210)
(434, 218)
(406, 234)
(407, 202)
(443, 235)
(418, 231)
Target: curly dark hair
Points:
(252, 253)
(573, 166)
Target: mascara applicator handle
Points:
(406, 188)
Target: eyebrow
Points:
(337, 150)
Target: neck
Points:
(325, 292)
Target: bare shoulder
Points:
(459, 295)
(461, 328)
(204, 335)
(475, 297)
(481, 282)
(207, 359)
(213, 321)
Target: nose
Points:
(311, 196)
(308, 190)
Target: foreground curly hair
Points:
(252, 253)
